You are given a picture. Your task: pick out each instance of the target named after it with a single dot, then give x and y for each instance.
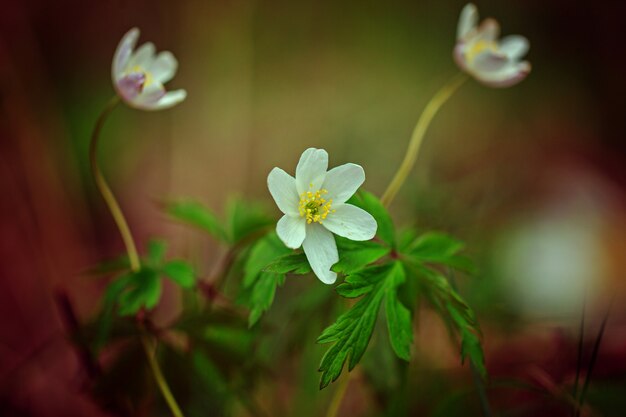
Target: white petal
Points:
(508, 76)
(282, 186)
(342, 182)
(311, 170)
(170, 99)
(123, 53)
(514, 46)
(467, 20)
(459, 55)
(164, 67)
(143, 57)
(321, 251)
(351, 222)
(489, 61)
(291, 230)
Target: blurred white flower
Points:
(138, 76)
(478, 51)
(314, 207)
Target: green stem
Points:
(340, 392)
(417, 137)
(105, 190)
(131, 249)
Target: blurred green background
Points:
(532, 177)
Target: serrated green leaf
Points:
(354, 256)
(200, 216)
(399, 321)
(370, 203)
(361, 283)
(352, 330)
(180, 272)
(439, 248)
(245, 218)
(156, 252)
(263, 294)
(294, 263)
(457, 314)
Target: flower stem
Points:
(340, 392)
(417, 137)
(105, 190)
(131, 249)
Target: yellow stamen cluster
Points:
(313, 207)
(479, 47)
(147, 74)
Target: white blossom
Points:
(314, 207)
(479, 52)
(138, 76)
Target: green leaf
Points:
(246, 218)
(295, 263)
(263, 252)
(457, 314)
(180, 272)
(353, 329)
(198, 215)
(143, 291)
(370, 203)
(263, 294)
(261, 285)
(156, 252)
(354, 256)
(399, 326)
(436, 247)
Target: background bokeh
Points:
(532, 177)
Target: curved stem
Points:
(417, 137)
(158, 375)
(335, 403)
(105, 190)
(131, 249)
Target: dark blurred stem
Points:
(417, 137)
(131, 249)
(581, 336)
(592, 362)
(340, 392)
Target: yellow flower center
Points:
(480, 46)
(149, 79)
(313, 207)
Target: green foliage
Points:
(295, 263)
(352, 330)
(243, 219)
(354, 256)
(259, 284)
(439, 248)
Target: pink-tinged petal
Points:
(467, 21)
(164, 67)
(149, 97)
(321, 252)
(507, 77)
(291, 230)
(311, 170)
(351, 222)
(123, 53)
(489, 61)
(130, 86)
(342, 182)
(282, 187)
(489, 30)
(514, 46)
(459, 55)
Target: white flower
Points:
(479, 52)
(138, 76)
(314, 204)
